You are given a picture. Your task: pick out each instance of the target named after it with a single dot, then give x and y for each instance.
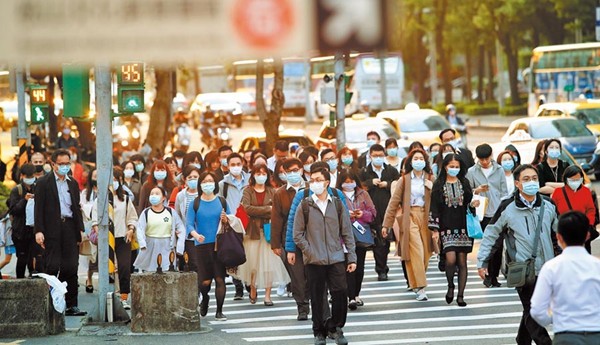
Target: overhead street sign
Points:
(52, 32)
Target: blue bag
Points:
(473, 226)
(267, 232)
(362, 235)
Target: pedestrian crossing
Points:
(391, 314)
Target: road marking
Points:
(452, 339)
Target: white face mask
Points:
(317, 187)
(235, 171)
(575, 184)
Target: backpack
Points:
(197, 203)
(336, 201)
(147, 209)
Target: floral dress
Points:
(448, 215)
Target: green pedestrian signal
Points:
(39, 101)
(130, 94)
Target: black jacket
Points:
(16, 208)
(380, 196)
(467, 157)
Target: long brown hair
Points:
(407, 161)
(168, 184)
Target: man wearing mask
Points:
(38, 160)
(280, 151)
(516, 219)
(487, 180)
(224, 152)
(448, 136)
(377, 177)
(365, 159)
(66, 141)
(328, 156)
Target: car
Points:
(586, 111)
(423, 125)
(357, 128)
(247, 101)
(574, 136)
(253, 141)
(226, 102)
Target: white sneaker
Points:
(126, 305)
(421, 295)
(228, 280)
(281, 290)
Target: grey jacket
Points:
(320, 240)
(234, 194)
(517, 223)
(496, 181)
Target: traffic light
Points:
(348, 94)
(39, 101)
(130, 94)
(76, 91)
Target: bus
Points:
(560, 73)
(213, 79)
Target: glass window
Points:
(563, 128)
(419, 124)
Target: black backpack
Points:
(337, 202)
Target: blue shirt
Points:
(206, 221)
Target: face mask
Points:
(349, 186)
(531, 188)
(116, 185)
(317, 187)
(434, 168)
(73, 158)
(192, 184)
(307, 167)
(516, 159)
(554, 153)
(433, 154)
(154, 199)
(333, 164)
(139, 167)
(64, 169)
(179, 162)
(418, 165)
(224, 162)
(160, 175)
(128, 173)
(29, 181)
(508, 165)
(294, 177)
(283, 177)
(196, 165)
(392, 151)
(47, 168)
(235, 171)
(179, 178)
(445, 154)
(207, 187)
(378, 161)
(453, 171)
(260, 179)
(66, 131)
(370, 142)
(39, 168)
(454, 143)
(347, 160)
(575, 184)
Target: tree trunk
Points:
(442, 51)
(480, 73)
(277, 100)
(160, 114)
(196, 81)
(490, 85)
(468, 69)
(260, 86)
(513, 66)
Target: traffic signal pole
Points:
(21, 120)
(104, 168)
(340, 102)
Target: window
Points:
(566, 128)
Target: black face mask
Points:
(39, 168)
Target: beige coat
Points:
(401, 198)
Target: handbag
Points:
(362, 235)
(473, 226)
(93, 237)
(521, 273)
(230, 247)
(267, 232)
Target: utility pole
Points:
(383, 81)
(22, 134)
(340, 102)
(104, 168)
(309, 113)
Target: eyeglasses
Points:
(329, 159)
(317, 181)
(293, 170)
(529, 178)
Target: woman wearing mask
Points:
(191, 158)
(173, 168)
(539, 154)
(307, 160)
(574, 196)
(159, 231)
(131, 182)
(348, 159)
(362, 210)
(391, 153)
(506, 161)
(515, 154)
(552, 168)
(451, 196)
(202, 223)
(212, 161)
(413, 195)
(279, 176)
(184, 199)
(124, 221)
(262, 267)
(434, 150)
(257, 159)
(88, 200)
(160, 176)
(444, 151)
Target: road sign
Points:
(130, 81)
(39, 99)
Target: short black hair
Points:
(521, 168)
(571, 171)
(326, 151)
(282, 145)
(376, 147)
(573, 226)
(312, 150)
(325, 173)
(224, 148)
(305, 155)
(187, 170)
(60, 152)
(444, 131)
(318, 165)
(203, 176)
(137, 158)
(179, 154)
(27, 169)
(483, 151)
(290, 162)
(234, 155)
(375, 134)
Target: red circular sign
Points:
(263, 24)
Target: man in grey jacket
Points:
(517, 219)
(322, 231)
(487, 179)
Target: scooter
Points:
(183, 136)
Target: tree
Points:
(160, 114)
(271, 119)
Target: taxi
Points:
(253, 141)
(584, 110)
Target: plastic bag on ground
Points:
(58, 290)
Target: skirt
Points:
(146, 260)
(266, 267)
(456, 240)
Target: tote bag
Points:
(473, 226)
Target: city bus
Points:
(213, 79)
(561, 73)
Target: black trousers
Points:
(496, 260)
(380, 253)
(319, 279)
(355, 279)
(61, 258)
(529, 329)
(123, 254)
(298, 277)
(25, 253)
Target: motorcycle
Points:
(183, 136)
(223, 135)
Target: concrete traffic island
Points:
(164, 302)
(27, 310)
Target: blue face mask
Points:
(392, 151)
(260, 179)
(554, 153)
(154, 199)
(207, 187)
(283, 177)
(347, 160)
(370, 142)
(453, 171)
(516, 159)
(160, 175)
(64, 169)
(378, 161)
(294, 177)
(433, 154)
(196, 165)
(508, 165)
(531, 188)
(192, 184)
(434, 168)
(224, 162)
(333, 164)
(418, 165)
(29, 181)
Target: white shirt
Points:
(567, 292)
(510, 183)
(271, 162)
(295, 188)
(417, 190)
(322, 204)
(487, 171)
(333, 177)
